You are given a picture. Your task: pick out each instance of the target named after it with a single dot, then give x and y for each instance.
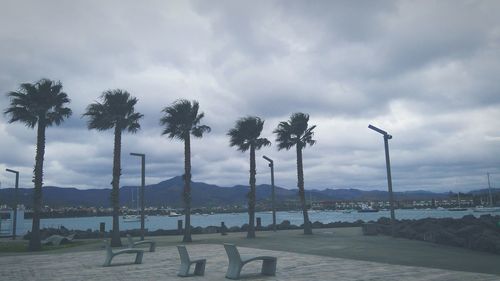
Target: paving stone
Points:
(163, 264)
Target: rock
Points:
(469, 231)
(210, 229)
(234, 229)
(384, 220)
(284, 225)
(447, 238)
(197, 230)
(406, 232)
(487, 243)
(317, 224)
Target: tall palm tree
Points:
(181, 120)
(245, 135)
(295, 132)
(41, 104)
(115, 111)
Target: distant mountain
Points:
(485, 191)
(169, 193)
(356, 194)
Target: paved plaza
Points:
(329, 254)
(163, 264)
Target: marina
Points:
(238, 219)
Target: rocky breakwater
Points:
(481, 233)
(92, 234)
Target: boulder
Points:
(317, 224)
(210, 229)
(234, 229)
(284, 225)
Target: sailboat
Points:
(133, 217)
(490, 208)
(174, 214)
(311, 210)
(457, 209)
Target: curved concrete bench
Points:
(186, 263)
(110, 254)
(236, 262)
(57, 240)
(132, 244)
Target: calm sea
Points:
(237, 219)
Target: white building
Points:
(6, 220)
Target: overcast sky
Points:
(428, 72)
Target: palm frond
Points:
(284, 136)
(182, 119)
(246, 133)
(21, 114)
(306, 139)
(40, 101)
(261, 142)
(198, 131)
(294, 132)
(116, 109)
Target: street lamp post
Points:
(143, 183)
(271, 165)
(14, 220)
(387, 137)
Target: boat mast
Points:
(310, 200)
(489, 189)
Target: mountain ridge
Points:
(169, 193)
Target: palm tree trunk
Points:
(300, 184)
(115, 192)
(35, 243)
(251, 195)
(187, 189)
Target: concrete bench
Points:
(110, 254)
(57, 240)
(236, 262)
(132, 244)
(186, 263)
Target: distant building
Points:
(6, 220)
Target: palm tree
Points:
(115, 111)
(245, 136)
(181, 120)
(41, 104)
(295, 132)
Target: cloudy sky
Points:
(426, 71)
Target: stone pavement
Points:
(162, 265)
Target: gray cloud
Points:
(425, 71)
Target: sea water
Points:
(237, 219)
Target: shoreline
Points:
(481, 234)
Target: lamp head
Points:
(380, 131)
(268, 159)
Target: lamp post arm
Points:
(377, 130)
(268, 159)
